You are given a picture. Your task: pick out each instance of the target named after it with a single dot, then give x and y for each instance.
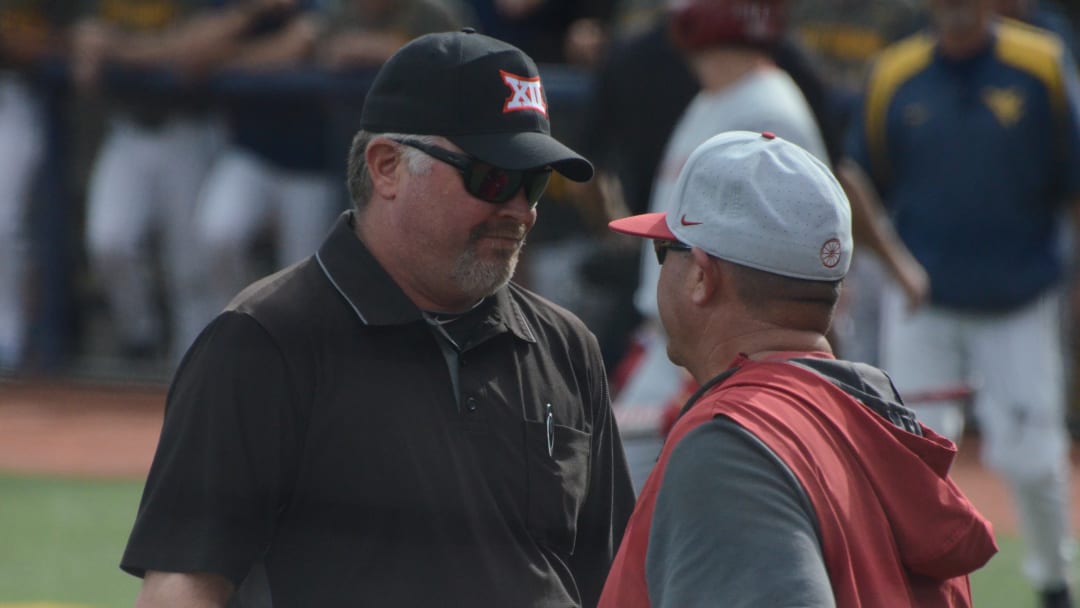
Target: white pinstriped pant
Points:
(22, 147)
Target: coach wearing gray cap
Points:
(791, 478)
(392, 422)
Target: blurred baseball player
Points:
(30, 30)
(278, 171)
(272, 176)
(149, 169)
(728, 43)
(971, 133)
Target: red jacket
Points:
(895, 529)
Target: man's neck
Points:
(720, 68)
(757, 346)
(961, 44)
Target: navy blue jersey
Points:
(973, 159)
(289, 131)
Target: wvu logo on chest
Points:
(1007, 105)
(525, 94)
(915, 115)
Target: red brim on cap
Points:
(648, 225)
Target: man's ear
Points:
(705, 276)
(383, 159)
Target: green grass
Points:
(999, 583)
(61, 541)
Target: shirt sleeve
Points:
(733, 527)
(222, 468)
(1071, 126)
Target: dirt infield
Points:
(97, 431)
(79, 430)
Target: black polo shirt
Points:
(314, 425)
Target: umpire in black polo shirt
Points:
(391, 422)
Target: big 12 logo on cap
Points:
(525, 93)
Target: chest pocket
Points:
(557, 482)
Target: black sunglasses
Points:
(486, 181)
(661, 248)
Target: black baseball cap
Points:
(481, 93)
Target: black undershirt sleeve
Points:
(733, 527)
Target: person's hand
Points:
(914, 280)
(515, 10)
(271, 7)
(25, 44)
(871, 225)
(254, 11)
(90, 40)
(305, 32)
(358, 49)
(585, 42)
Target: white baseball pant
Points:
(145, 183)
(244, 196)
(1015, 363)
(22, 142)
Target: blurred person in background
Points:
(639, 89)
(154, 158)
(31, 31)
(971, 134)
(842, 37)
(278, 173)
(730, 45)
(636, 94)
(273, 175)
(365, 33)
(551, 31)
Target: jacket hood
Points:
(938, 532)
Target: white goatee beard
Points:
(480, 278)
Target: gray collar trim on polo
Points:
(376, 298)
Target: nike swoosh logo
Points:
(686, 222)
